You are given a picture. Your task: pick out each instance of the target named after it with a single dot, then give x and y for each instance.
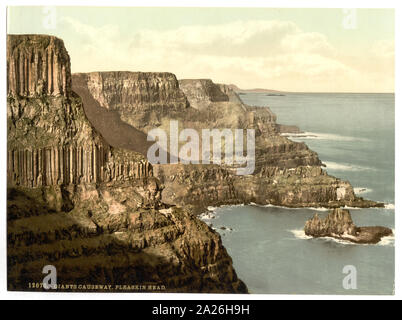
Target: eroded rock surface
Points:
(37, 65)
(286, 173)
(339, 224)
(92, 210)
(202, 92)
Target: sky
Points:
(300, 50)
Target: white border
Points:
(4, 294)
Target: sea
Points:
(353, 135)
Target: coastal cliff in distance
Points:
(286, 173)
(92, 210)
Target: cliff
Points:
(286, 173)
(135, 95)
(92, 210)
(338, 224)
(115, 234)
(201, 92)
(50, 141)
(37, 65)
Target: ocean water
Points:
(353, 135)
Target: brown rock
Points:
(93, 210)
(338, 224)
(287, 173)
(37, 65)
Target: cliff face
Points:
(115, 234)
(200, 186)
(338, 224)
(202, 92)
(286, 173)
(137, 96)
(50, 141)
(92, 210)
(37, 65)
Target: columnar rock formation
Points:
(131, 89)
(137, 96)
(50, 141)
(92, 210)
(338, 224)
(37, 65)
(286, 173)
(70, 165)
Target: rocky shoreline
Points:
(287, 173)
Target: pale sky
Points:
(305, 50)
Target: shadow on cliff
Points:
(108, 123)
(86, 254)
(82, 252)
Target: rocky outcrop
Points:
(37, 65)
(201, 186)
(338, 224)
(116, 234)
(286, 173)
(201, 92)
(137, 96)
(92, 210)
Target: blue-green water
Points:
(354, 135)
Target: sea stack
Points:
(338, 224)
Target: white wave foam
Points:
(291, 208)
(321, 136)
(318, 209)
(353, 208)
(299, 234)
(389, 240)
(389, 206)
(359, 190)
(344, 166)
(385, 241)
(207, 216)
(340, 241)
(215, 212)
